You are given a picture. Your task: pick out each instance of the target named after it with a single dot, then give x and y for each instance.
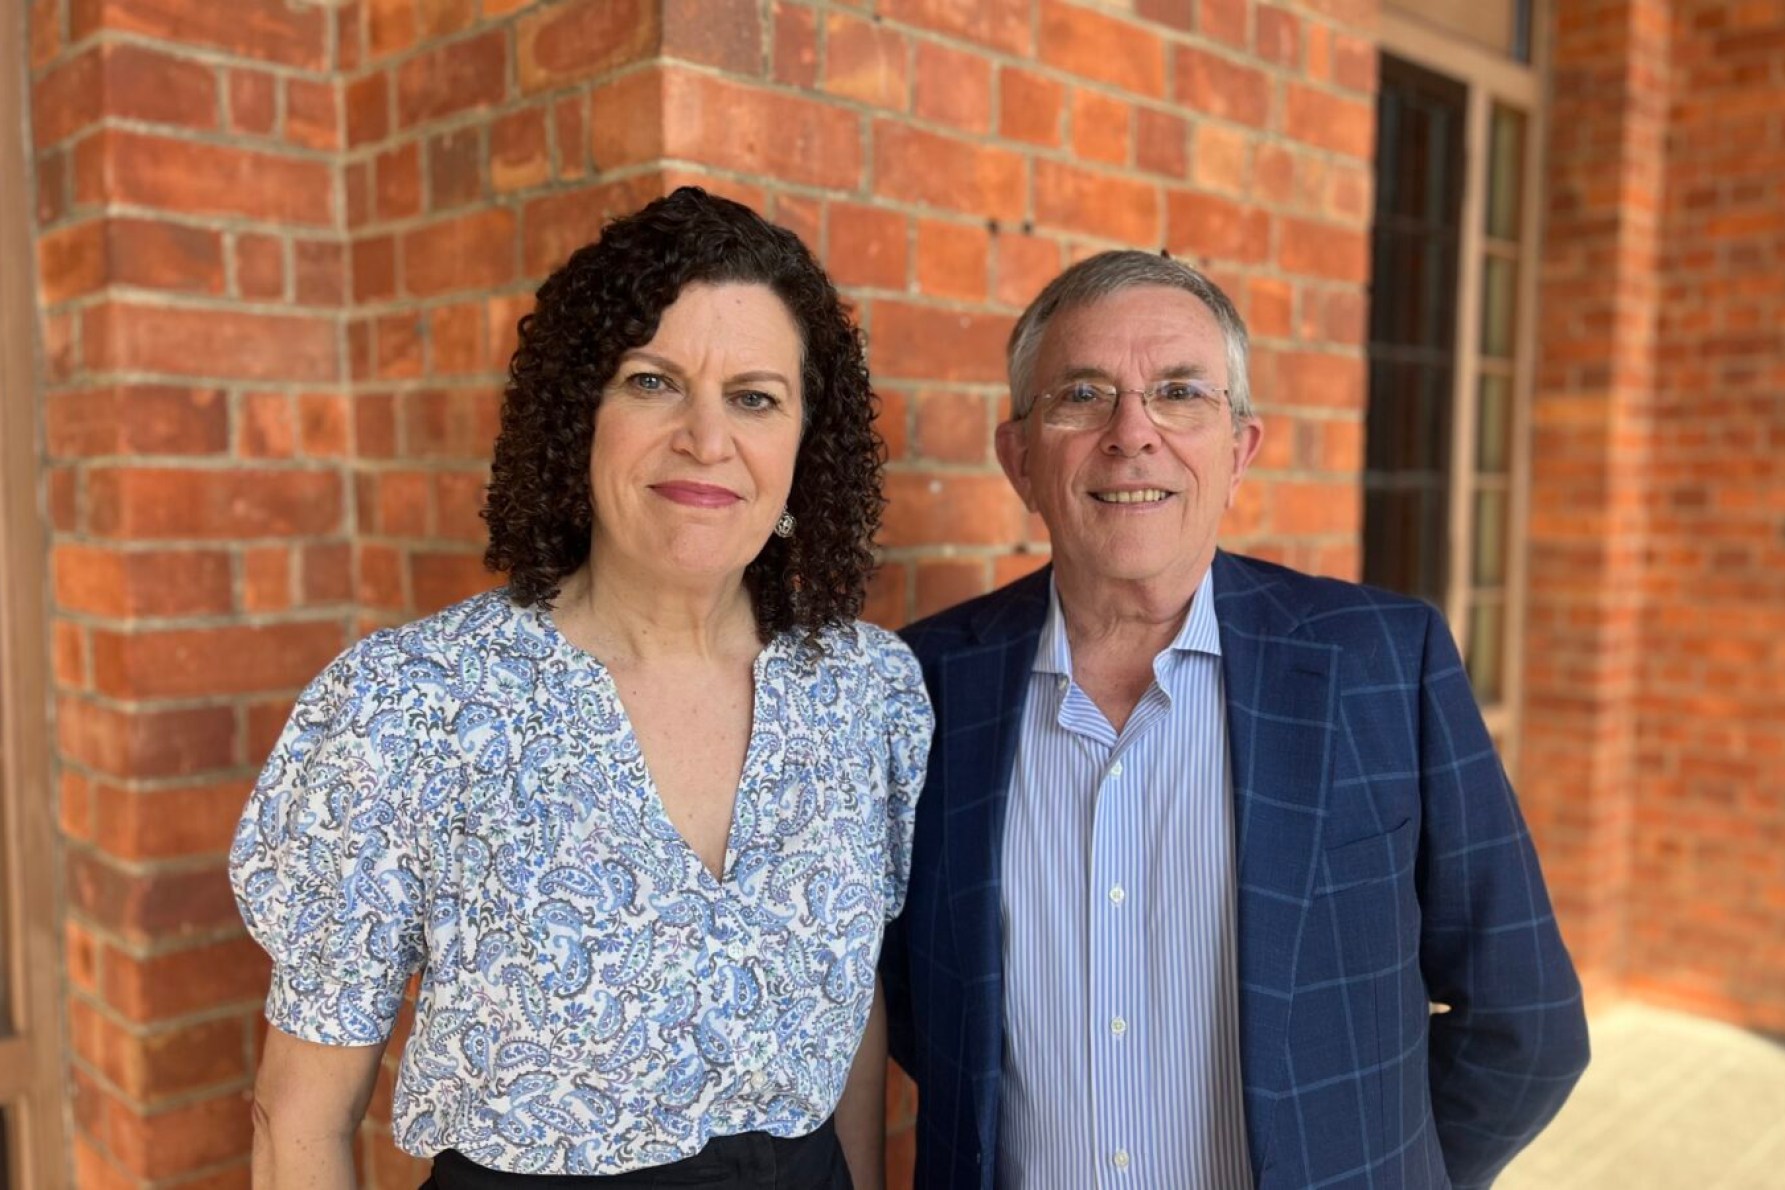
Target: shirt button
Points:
(1115, 770)
(1118, 1026)
(1119, 1159)
(1117, 895)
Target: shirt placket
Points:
(1115, 921)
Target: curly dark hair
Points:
(606, 300)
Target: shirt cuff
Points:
(314, 1008)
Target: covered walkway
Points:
(1671, 1102)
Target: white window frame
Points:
(1489, 79)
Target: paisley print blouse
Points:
(464, 797)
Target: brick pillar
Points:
(1592, 414)
(1707, 898)
(191, 280)
(283, 249)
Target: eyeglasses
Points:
(1183, 404)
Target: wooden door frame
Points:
(31, 1063)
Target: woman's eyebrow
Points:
(757, 377)
(639, 355)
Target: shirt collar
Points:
(1199, 633)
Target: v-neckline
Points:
(683, 850)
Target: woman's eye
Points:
(648, 382)
(755, 401)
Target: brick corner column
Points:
(191, 275)
(1591, 414)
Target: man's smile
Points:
(1132, 495)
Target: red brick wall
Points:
(281, 251)
(1654, 750)
(282, 247)
(198, 448)
(1707, 898)
(1590, 436)
(945, 160)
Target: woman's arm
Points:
(861, 1114)
(308, 1100)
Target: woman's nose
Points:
(705, 433)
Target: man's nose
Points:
(1130, 430)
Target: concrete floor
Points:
(1671, 1102)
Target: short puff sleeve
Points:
(324, 862)
(909, 725)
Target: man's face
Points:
(1130, 502)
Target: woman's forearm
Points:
(308, 1102)
(861, 1114)
(297, 1162)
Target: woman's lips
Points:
(696, 495)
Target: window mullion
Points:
(1466, 377)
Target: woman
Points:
(638, 818)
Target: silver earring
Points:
(784, 524)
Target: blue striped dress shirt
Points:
(1121, 1056)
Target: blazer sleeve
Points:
(895, 959)
(1514, 1043)
(895, 981)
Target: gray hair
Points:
(1108, 273)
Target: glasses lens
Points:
(1179, 405)
(1079, 406)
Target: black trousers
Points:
(749, 1161)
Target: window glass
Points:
(1490, 537)
(1506, 173)
(1499, 306)
(1493, 424)
(1415, 247)
(1487, 649)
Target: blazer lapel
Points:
(1280, 722)
(983, 689)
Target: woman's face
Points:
(696, 437)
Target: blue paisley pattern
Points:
(464, 797)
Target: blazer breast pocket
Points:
(1366, 861)
(1365, 914)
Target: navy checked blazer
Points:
(1382, 862)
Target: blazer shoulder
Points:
(1010, 610)
(1329, 609)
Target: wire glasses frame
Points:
(1174, 405)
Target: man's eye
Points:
(1080, 394)
(1178, 392)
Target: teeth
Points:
(1143, 496)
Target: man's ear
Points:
(1012, 442)
(1246, 441)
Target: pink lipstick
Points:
(696, 495)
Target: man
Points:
(1218, 882)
